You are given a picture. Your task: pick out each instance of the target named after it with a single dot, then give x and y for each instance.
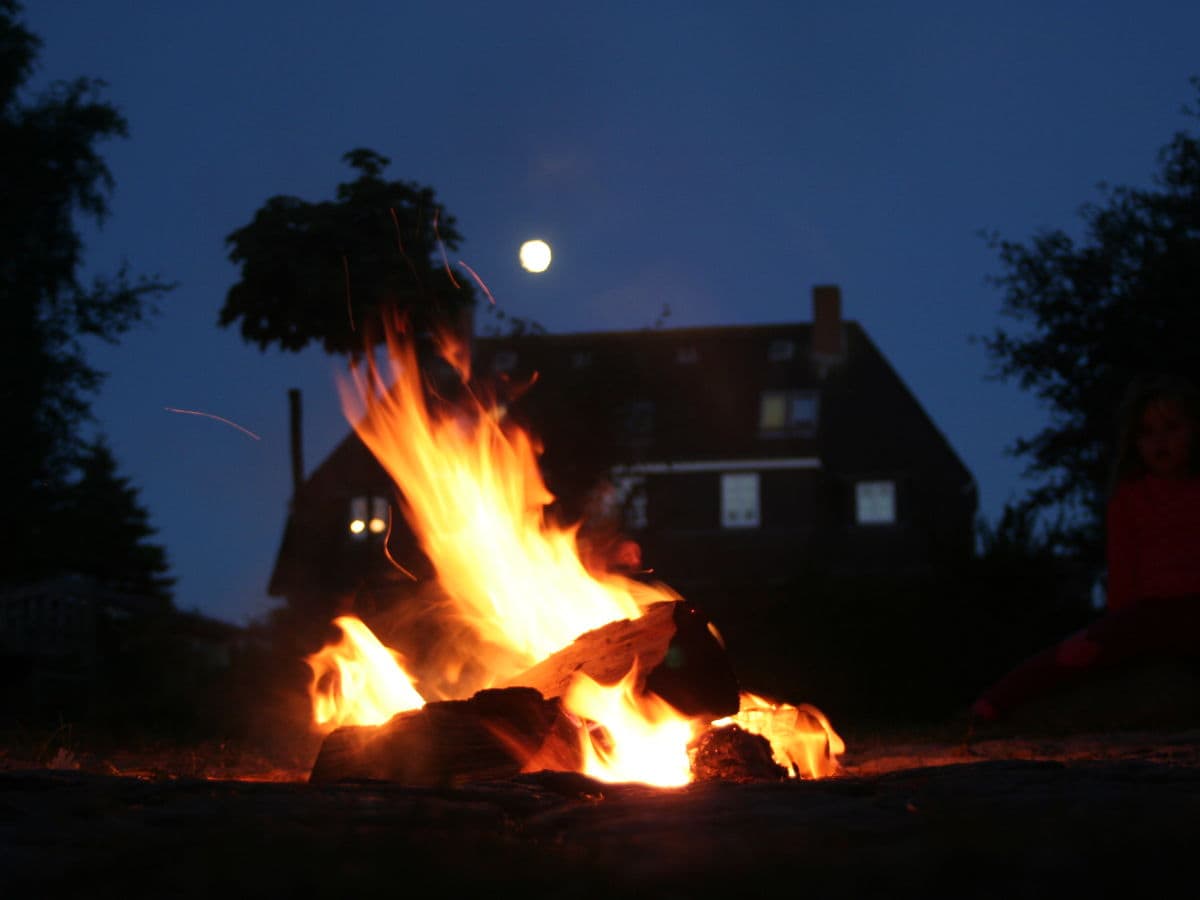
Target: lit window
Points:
(875, 502)
(739, 500)
(791, 413)
(378, 522)
(368, 515)
(773, 411)
(358, 517)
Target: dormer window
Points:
(788, 413)
(637, 420)
(781, 350)
(368, 516)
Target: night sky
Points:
(720, 159)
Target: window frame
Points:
(890, 507)
(731, 485)
(793, 424)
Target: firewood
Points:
(732, 754)
(677, 655)
(497, 733)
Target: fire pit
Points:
(557, 662)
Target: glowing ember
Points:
(474, 495)
(358, 681)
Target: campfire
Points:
(543, 658)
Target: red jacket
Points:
(1153, 539)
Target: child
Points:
(1153, 550)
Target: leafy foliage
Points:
(330, 272)
(50, 171)
(1122, 301)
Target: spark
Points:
(479, 280)
(196, 412)
(400, 247)
(388, 553)
(442, 247)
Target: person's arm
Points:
(1121, 553)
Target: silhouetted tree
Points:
(50, 171)
(106, 531)
(1123, 300)
(331, 271)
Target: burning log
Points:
(522, 726)
(497, 733)
(678, 657)
(732, 754)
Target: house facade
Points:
(734, 454)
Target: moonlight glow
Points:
(535, 256)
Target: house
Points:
(732, 454)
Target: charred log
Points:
(495, 734)
(678, 657)
(733, 754)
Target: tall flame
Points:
(474, 495)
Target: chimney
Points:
(297, 445)
(828, 343)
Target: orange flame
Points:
(358, 681)
(474, 495)
(639, 738)
(801, 738)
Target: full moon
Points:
(535, 256)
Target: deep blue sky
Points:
(719, 158)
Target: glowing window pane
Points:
(358, 516)
(739, 500)
(788, 413)
(875, 502)
(773, 411)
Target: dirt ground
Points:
(999, 816)
(1092, 793)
